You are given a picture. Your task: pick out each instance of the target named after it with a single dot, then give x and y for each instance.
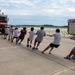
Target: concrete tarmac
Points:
(20, 60)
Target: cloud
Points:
(49, 8)
(38, 7)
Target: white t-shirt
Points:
(57, 38)
(31, 35)
(6, 30)
(11, 31)
(16, 33)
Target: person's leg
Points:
(17, 41)
(37, 45)
(51, 50)
(70, 54)
(45, 49)
(28, 42)
(4, 36)
(34, 44)
(20, 41)
(8, 37)
(12, 39)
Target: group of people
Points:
(13, 33)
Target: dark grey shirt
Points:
(40, 35)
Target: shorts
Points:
(15, 37)
(37, 41)
(29, 39)
(54, 45)
(21, 37)
(6, 34)
(10, 34)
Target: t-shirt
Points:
(23, 33)
(16, 33)
(57, 38)
(6, 30)
(40, 35)
(31, 35)
(11, 31)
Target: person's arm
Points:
(20, 31)
(50, 35)
(26, 31)
(44, 33)
(37, 32)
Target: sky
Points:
(38, 12)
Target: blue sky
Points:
(54, 12)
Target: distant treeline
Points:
(51, 26)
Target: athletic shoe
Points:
(67, 57)
(8, 39)
(42, 52)
(19, 43)
(30, 46)
(33, 48)
(11, 40)
(27, 45)
(36, 48)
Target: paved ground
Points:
(20, 60)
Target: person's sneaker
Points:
(50, 53)
(67, 57)
(42, 52)
(36, 48)
(33, 48)
(73, 57)
(4, 38)
(30, 46)
(27, 45)
(11, 40)
(19, 43)
(8, 39)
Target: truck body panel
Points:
(71, 26)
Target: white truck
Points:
(71, 26)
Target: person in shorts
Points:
(10, 36)
(40, 34)
(56, 43)
(15, 34)
(31, 37)
(71, 55)
(6, 32)
(22, 35)
(3, 31)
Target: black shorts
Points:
(37, 41)
(54, 45)
(15, 37)
(21, 37)
(6, 34)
